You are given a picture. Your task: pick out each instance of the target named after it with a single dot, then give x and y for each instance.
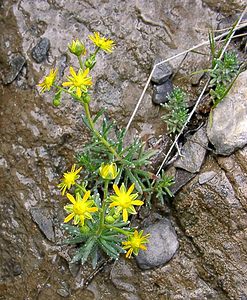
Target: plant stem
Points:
(81, 188)
(80, 62)
(118, 229)
(103, 141)
(102, 213)
(66, 91)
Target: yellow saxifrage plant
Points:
(103, 187)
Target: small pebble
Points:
(161, 92)
(39, 52)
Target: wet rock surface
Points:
(163, 244)
(229, 132)
(38, 144)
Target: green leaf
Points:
(83, 253)
(108, 248)
(72, 230)
(134, 180)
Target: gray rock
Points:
(42, 218)
(161, 72)
(163, 243)
(193, 152)
(161, 92)
(17, 270)
(206, 176)
(181, 178)
(228, 131)
(16, 65)
(39, 52)
(63, 293)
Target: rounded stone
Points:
(161, 73)
(228, 130)
(163, 243)
(161, 92)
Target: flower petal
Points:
(116, 189)
(69, 217)
(113, 204)
(82, 219)
(78, 92)
(130, 190)
(71, 198)
(86, 196)
(125, 215)
(143, 247)
(72, 71)
(67, 83)
(122, 189)
(92, 209)
(137, 202)
(69, 207)
(128, 254)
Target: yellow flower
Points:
(108, 171)
(102, 42)
(80, 209)
(48, 81)
(125, 201)
(79, 81)
(135, 243)
(76, 47)
(69, 179)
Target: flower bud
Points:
(77, 48)
(90, 62)
(109, 219)
(84, 229)
(57, 99)
(86, 98)
(108, 171)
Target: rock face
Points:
(193, 152)
(163, 244)
(213, 215)
(228, 130)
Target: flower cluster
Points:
(101, 202)
(83, 210)
(79, 81)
